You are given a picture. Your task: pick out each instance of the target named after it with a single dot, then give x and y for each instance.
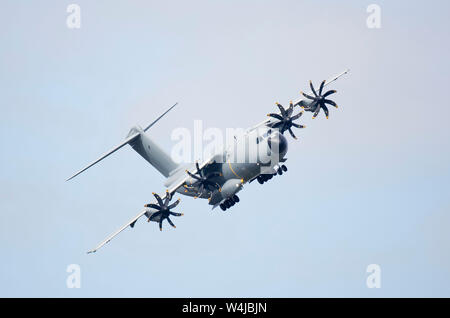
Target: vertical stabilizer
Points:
(152, 152)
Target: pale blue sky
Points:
(370, 185)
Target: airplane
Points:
(223, 175)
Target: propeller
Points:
(163, 209)
(285, 120)
(319, 100)
(202, 181)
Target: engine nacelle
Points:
(148, 213)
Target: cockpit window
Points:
(264, 135)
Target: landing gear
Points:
(266, 177)
(228, 203)
(281, 169)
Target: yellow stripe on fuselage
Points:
(229, 164)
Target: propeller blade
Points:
(176, 214)
(325, 109)
(154, 215)
(312, 88)
(201, 189)
(278, 124)
(292, 133)
(168, 198)
(298, 126)
(174, 204)
(282, 110)
(329, 93)
(308, 96)
(214, 174)
(275, 116)
(153, 206)
(210, 184)
(194, 176)
(170, 222)
(158, 198)
(198, 169)
(316, 112)
(330, 102)
(297, 116)
(290, 109)
(321, 87)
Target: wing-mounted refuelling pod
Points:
(231, 187)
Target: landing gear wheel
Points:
(280, 171)
(284, 168)
(236, 198)
(223, 207)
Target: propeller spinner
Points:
(203, 181)
(319, 100)
(285, 120)
(163, 209)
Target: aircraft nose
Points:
(278, 143)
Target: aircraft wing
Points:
(132, 221)
(171, 190)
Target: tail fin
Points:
(151, 152)
(145, 147)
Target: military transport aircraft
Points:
(222, 176)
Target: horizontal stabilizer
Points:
(132, 137)
(154, 122)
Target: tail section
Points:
(129, 139)
(151, 152)
(145, 147)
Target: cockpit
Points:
(278, 143)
